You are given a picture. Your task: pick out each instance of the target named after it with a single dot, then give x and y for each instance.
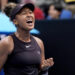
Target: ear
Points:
(15, 22)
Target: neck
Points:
(23, 35)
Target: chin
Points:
(28, 29)
(31, 28)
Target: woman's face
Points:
(53, 12)
(25, 19)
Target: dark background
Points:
(59, 41)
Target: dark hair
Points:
(57, 6)
(8, 8)
(19, 7)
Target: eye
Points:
(23, 13)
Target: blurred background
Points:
(55, 25)
(47, 9)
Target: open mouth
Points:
(29, 22)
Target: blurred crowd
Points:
(50, 11)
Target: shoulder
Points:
(40, 42)
(7, 43)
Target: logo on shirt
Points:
(38, 52)
(28, 46)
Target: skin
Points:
(53, 12)
(22, 33)
(3, 4)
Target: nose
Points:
(28, 14)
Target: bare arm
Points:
(44, 62)
(5, 49)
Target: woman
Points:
(54, 11)
(21, 53)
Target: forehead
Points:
(52, 6)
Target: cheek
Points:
(51, 11)
(33, 16)
(21, 19)
(56, 13)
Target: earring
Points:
(16, 23)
